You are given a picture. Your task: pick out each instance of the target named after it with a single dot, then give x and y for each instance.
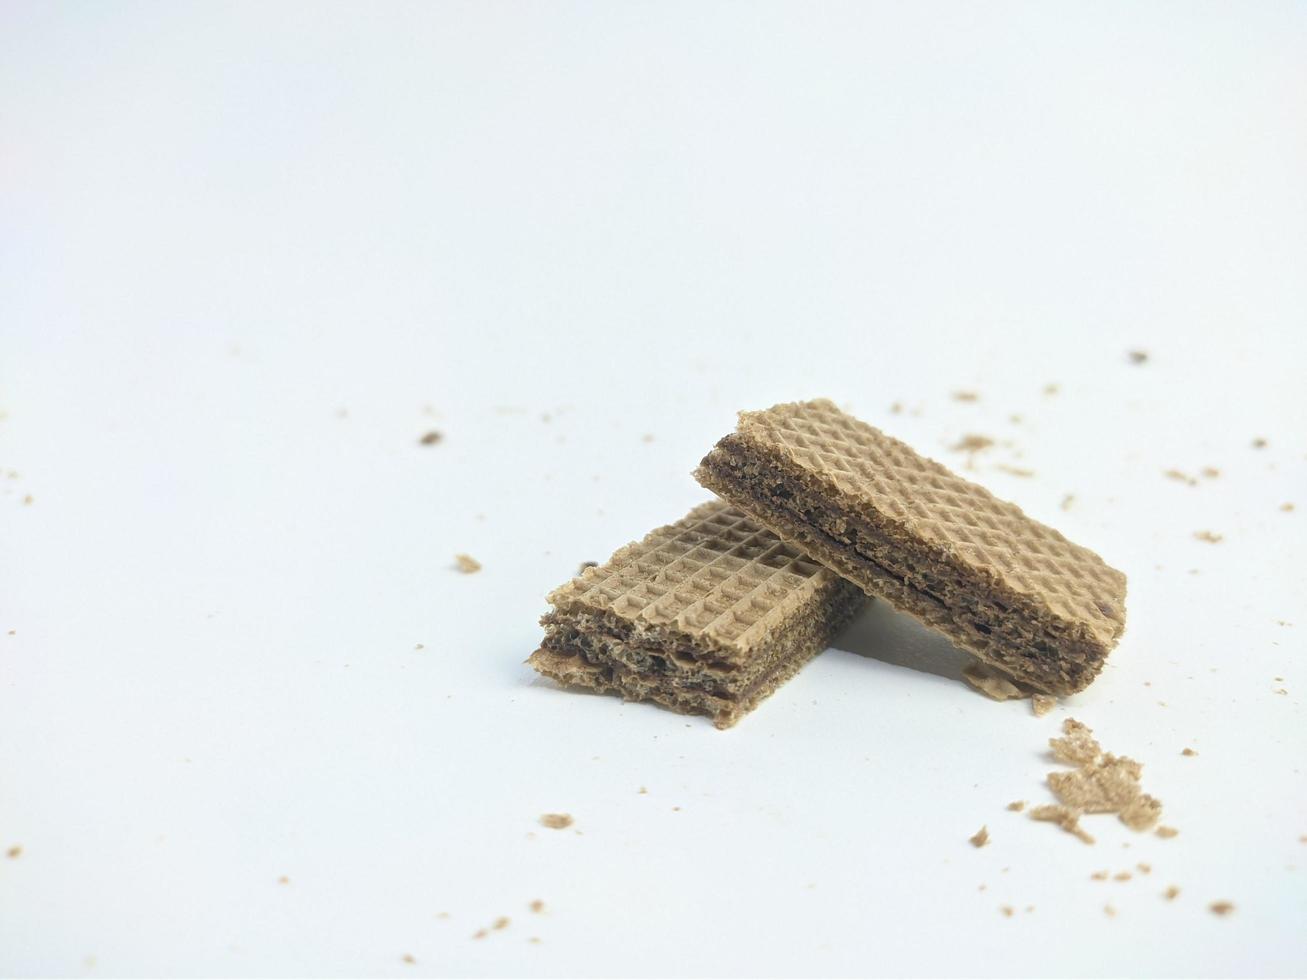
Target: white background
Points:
(249, 253)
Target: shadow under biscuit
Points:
(898, 639)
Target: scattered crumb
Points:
(1287, 507)
(1068, 500)
(1281, 690)
(1065, 817)
(28, 499)
(1017, 806)
(467, 564)
(647, 437)
(965, 396)
(534, 939)
(283, 880)
(1042, 704)
(1144, 869)
(1137, 356)
(1014, 419)
(1211, 537)
(1188, 752)
(1142, 813)
(1015, 470)
(408, 958)
(1122, 876)
(1030, 908)
(1107, 785)
(1171, 892)
(1259, 443)
(1109, 911)
(537, 906)
(1166, 832)
(981, 887)
(896, 408)
(1007, 910)
(480, 934)
(14, 852)
(556, 821)
(442, 915)
(643, 791)
(1099, 876)
(972, 443)
(1181, 477)
(431, 438)
(1211, 472)
(1222, 908)
(676, 809)
(989, 683)
(980, 838)
(418, 646)
(1079, 747)
(1052, 389)
(501, 923)
(586, 564)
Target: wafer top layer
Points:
(923, 504)
(715, 577)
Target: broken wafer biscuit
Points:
(705, 616)
(1009, 589)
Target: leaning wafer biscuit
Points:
(1011, 590)
(706, 616)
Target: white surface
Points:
(252, 252)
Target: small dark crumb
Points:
(1099, 876)
(1286, 507)
(586, 564)
(408, 958)
(1171, 892)
(980, 838)
(431, 438)
(1180, 477)
(1144, 869)
(1017, 805)
(896, 408)
(972, 443)
(1122, 876)
(1211, 537)
(28, 499)
(467, 564)
(1007, 910)
(480, 934)
(1166, 832)
(1052, 389)
(501, 923)
(556, 821)
(1211, 472)
(1137, 356)
(1222, 908)
(537, 906)
(418, 646)
(283, 880)
(14, 852)
(13, 632)
(676, 809)
(1259, 443)
(1188, 752)
(965, 396)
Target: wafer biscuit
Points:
(706, 616)
(1009, 589)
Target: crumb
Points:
(1014, 419)
(1052, 389)
(1015, 470)
(1211, 537)
(1281, 690)
(537, 906)
(1222, 908)
(1109, 911)
(283, 880)
(1106, 786)
(965, 396)
(467, 564)
(1142, 812)
(408, 958)
(1079, 747)
(480, 934)
(534, 939)
(1137, 356)
(1166, 832)
(981, 888)
(13, 632)
(1286, 507)
(584, 565)
(989, 683)
(14, 852)
(643, 791)
(431, 438)
(676, 809)
(1181, 477)
(1171, 892)
(501, 923)
(1099, 876)
(1259, 443)
(896, 408)
(28, 499)
(1211, 472)
(1122, 876)
(1065, 817)
(418, 646)
(972, 443)
(1030, 908)
(556, 821)
(1017, 806)
(442, 915)
(980, 838)
(1007, 910)
(1144, 869)
(1188, 752)
(1042, 704)
(1068, 500)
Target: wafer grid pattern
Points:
(992, 537)
(713, 575)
